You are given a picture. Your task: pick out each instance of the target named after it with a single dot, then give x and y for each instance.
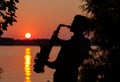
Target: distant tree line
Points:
(11, 41)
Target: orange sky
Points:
(41, 17)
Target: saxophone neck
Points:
(58, 29)
(62, 25)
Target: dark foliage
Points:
(105, 23)
(1, 71)
(7, 13)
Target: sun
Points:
(27, 35)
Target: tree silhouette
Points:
(1, 71)
(105, 23)
(106, 18)
(7, 13)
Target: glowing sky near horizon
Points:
(41, 17)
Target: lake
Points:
(17, 63)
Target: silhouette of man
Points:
(72, 53)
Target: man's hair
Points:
(82, 21)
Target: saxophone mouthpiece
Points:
(63, 25)
(68, 26)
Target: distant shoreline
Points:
(28, 42)
(25, 42)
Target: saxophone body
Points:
(41, 57)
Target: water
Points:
(17, 64)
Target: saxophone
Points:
(41, 57)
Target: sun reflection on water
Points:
(27, 63)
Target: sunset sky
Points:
(41, 18)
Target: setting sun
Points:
(27, 35)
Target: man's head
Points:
(79, 24)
